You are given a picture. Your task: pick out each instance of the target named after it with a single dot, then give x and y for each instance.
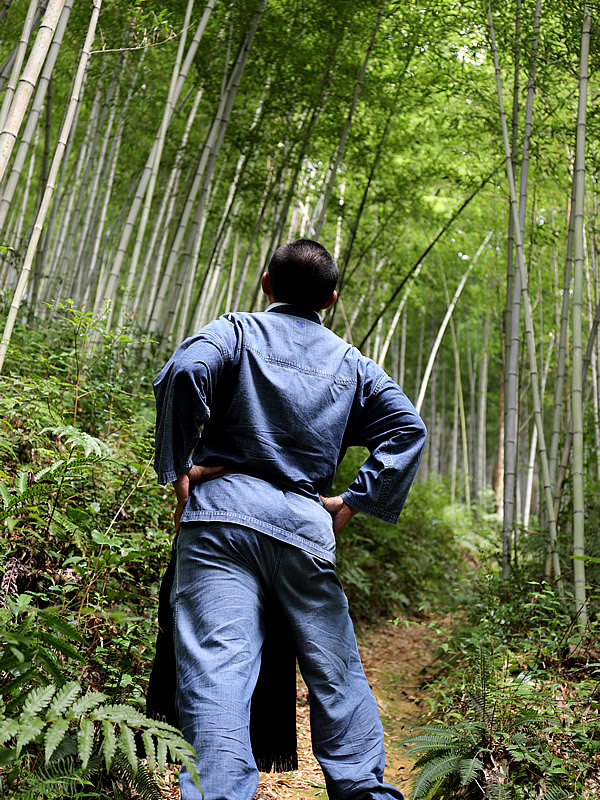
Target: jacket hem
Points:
(259, 525)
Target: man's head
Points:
(302, 273)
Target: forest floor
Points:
(394, 657)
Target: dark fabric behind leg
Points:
(273, 710)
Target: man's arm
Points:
(184, 390)
(389, 426)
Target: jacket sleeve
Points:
(388, 425)
(184, 389)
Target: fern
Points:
(85, 740)
(58, 779)
(469, 768)
(86, 703)
(63, 699)
(141, 781)
(110, 742)
(54, 736)
(128, 744)
(37, 701)
(74, 437)
(434, 771)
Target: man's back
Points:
(284, 397)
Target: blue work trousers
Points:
(226, 576)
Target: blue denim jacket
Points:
(279, 397)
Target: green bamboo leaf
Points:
(54, 737)
(63, 699)
(85, 740)
(110, 742)
(128, 744)
(37, 701)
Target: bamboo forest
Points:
(153, 155)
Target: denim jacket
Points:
(277, 398)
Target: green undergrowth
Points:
(421, 564)
(86, 535)
(514, 702)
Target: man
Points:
(254, 413)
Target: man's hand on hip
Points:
(341, 512)
(184, 483)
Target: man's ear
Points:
(265, 283)
(330, 301)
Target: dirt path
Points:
(393, 657)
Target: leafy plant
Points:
(53, 733)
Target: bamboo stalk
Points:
(531, 349)
(577, 317)
(27, 82)
(445, 321)
(58, 154)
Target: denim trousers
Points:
(226, 576)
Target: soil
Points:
(394, 657)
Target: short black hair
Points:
(303, 273)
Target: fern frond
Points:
(63, 699)
(119, 712)
(150, 750)
(555, 792)
(86, 703)
(8, 729)
(161, 755)
(110, 742)
(90, 445)
(63, 521)
(5, 495)
(22, 481)
(37, 701)
(434, 771)
(140, 781)
(59, 779)
(127, 742)
(85, 740)
(50, 470)
(469, 767)
(54, 736)
(29, 730)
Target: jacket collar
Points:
(295, 311)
